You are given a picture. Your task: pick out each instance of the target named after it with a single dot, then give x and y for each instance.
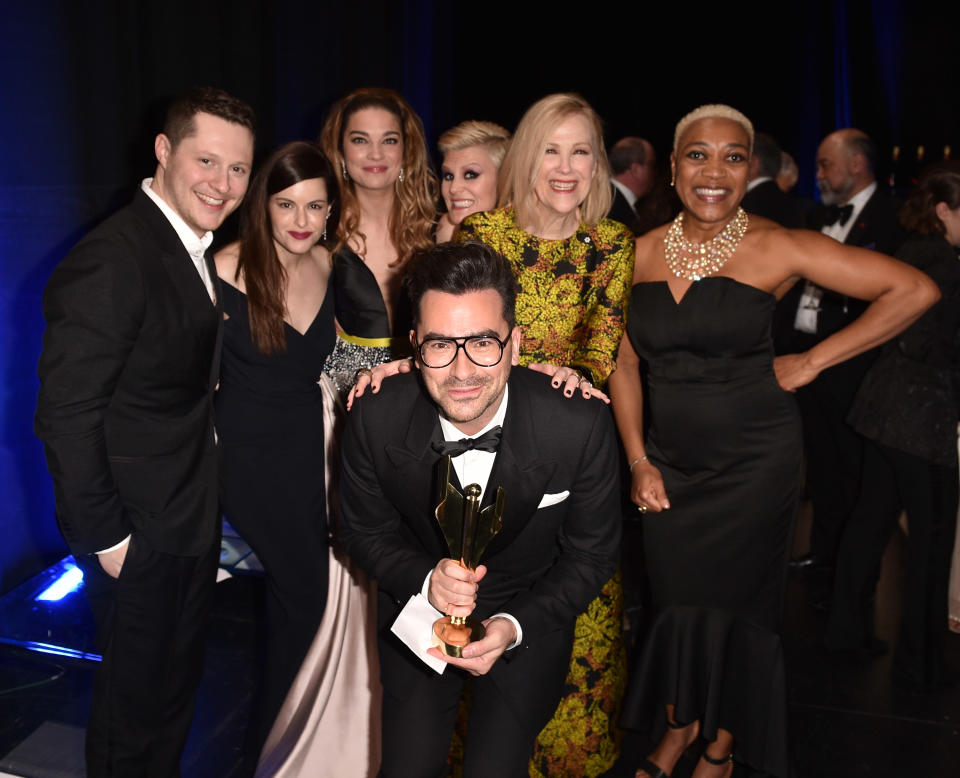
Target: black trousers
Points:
(893, 481)
(417, 731)
(834, 451)
(151, 631)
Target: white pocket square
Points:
(552, 499)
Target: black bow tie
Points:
(837, 213)
(488, 441)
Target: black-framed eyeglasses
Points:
(482, 350)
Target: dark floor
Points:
(846, 719)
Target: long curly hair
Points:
(258, 263)
(414, 211)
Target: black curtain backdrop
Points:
(84, 87)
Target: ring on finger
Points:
(576, 373)
(584, 380)
(642, 508)
(363, 371)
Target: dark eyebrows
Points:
(482, 334)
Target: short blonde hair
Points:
(713, 111)
(521, 166)
(494, 138)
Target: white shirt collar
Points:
(625, 191)
(195, 246)
(860, 199)
(757, 181)
(450, 432)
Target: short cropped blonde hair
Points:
(494, 138)
(521, 166)
(713, 111)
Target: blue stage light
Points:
(68, 581)
(49, 648)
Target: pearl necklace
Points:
(693, 261)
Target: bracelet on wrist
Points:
(637, 461)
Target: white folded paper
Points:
(414, 626)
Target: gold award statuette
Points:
(467, 530)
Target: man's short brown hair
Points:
(179, 123)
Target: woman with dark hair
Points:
(376, 141)
(278, 332)
(907, 410)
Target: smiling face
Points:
(467, 394)
(373, 148)
(710, 167)
(298, 214)
(205, 176)
(567, 168)
(468, 182)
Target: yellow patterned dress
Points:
(571, 308)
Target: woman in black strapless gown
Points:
(278, 332)
(717, 477)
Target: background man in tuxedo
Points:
(555, 458)
(129, 365)
(764, 196)
(858, 213)
(634, 166)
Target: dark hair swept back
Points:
(458, 268)
(258, 262)
(180, 123)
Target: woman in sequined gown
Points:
(278, 333)
(388, 192)
(717, 477)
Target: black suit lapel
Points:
(218, 308)
(520, 468)
(182, 271)
(416, 470)
(862, 231)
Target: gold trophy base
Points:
(451, 634)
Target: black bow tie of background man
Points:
(488, 441)
(837, 213)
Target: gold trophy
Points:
(467, 530)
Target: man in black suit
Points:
(764, 197)
(128, 370)
(858, 213)
(555, 458)
(633, 163)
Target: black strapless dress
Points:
(728, 442)
(269, 412)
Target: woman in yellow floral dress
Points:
(574, 269)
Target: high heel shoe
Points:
(654, 770)
(721, 762)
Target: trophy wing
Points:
(490, 523)
(449, 512)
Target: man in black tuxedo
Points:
(764, 197)
(633, 163)
(555, 458)
(128, 370)
(858, 213)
